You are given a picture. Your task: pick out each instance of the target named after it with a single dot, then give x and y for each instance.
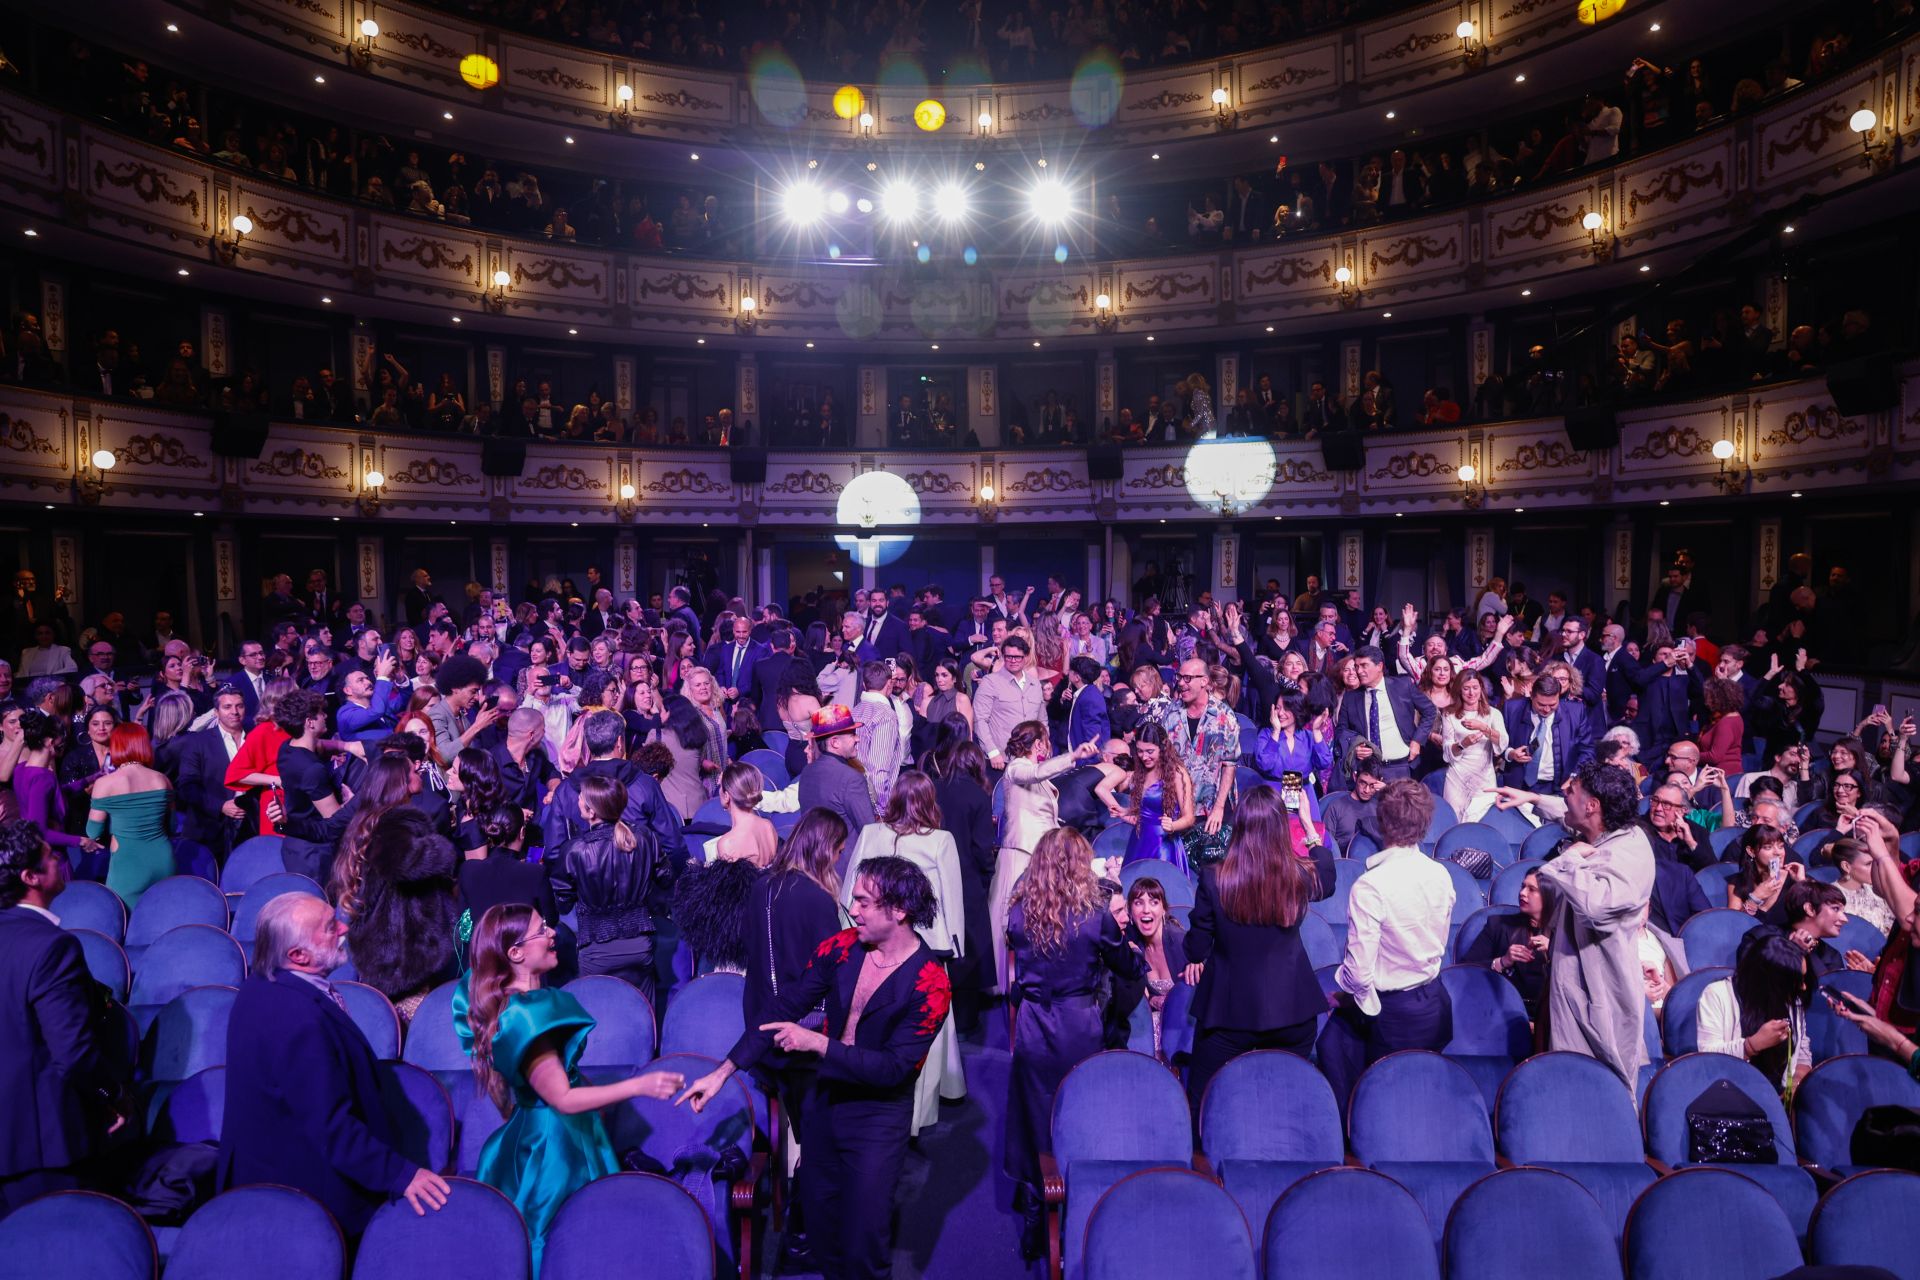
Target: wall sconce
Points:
(1472, 492)
(370, 486)
(621, 117)
(1863, 122)
(1472, 47)
(1343, 276)
(1224, 115)
(1732, 480)
(628, 502)
(1104, 318)
(91, 484)
(227, 246)
(1598, 236)
(360, 52)
(496, 302)
(864, 127)
(989, 496)
(984, 120)
(749, 312)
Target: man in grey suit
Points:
(1005, 698)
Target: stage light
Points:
(899, 200)
(1049, 202)
(803, 203)
(847, 101)
(837, 202)
(863, 204)
(930, 115)
(950, 201)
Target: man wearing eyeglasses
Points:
(1384, 719)
(1673, 834)
(1207, 739)
(101, 657)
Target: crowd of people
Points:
(891, 802)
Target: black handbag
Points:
(1477, 863)
(1888, 1137)
(1725, 1126)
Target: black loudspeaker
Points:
(1104, 464)
(500, 457)
(239, 434)
(1592, 430)
(1343, 450)
(747, 466)
(1866, 385)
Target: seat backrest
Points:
(191, 955)
(1489, 1017)
(1473, 835)
(712, 813)
(1679, 1014)
(1316, 935)
(592, 1233)
(1444, 818)
(1509, 823)
(772, 766)
(1120, 1105)
(1833, 1097)
(478, 1230)
(1665, 1239)
(265, 890)
(1333, 907)
(252, 860)
(1507, 882)
(1469, 895)
(1419, 1106)
(1566, 1234)
(88, 904)
(1112, 841)
(1850, 1224)
(77, 1233)
(680, 1143)
(1808, 843)
(1857, 935)
(1362, 846)
(374, 1014)
(194, 1109)
(172, 902)
(1541, 842)
(420, 1112)
(431, 1040)
(1714, 879)
(106, 962)
(1314, 1227)
(1211, 1241)
(1664, 1116)
(705, 1016)
(624, 1036)
(258, 1230)
(1566, 1107)
(1178, 885)
(1270, 1105)
(1476, 924)
(189, 1034)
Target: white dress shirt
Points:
(1392, 746)
(1543, 745)
(42, 912)
(54, 660)
(1397, 920)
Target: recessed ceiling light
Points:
(203, 514)
(1654, 27)
(1163, 519)
(1149, 339)
(1665, 503)
(446, 115)
(1398, 515)
(1795, 494)
(1156, 155)
(1273, 138)
(173, 28)
(699, 342)
(1269, 328)
(569, 139)
(574, 332)
(319, 79)
(1036, 342)
(182, 271)
(1386, 315)
(576, 524)
(693, 155)
(1788, 229)
(936, 346)
(1390, 115)
(325, 298)
(813, 164)
(31, 233)
(456, 319)
(1526, 293)
(1042, 162)
(336, 519)
(453, 522)
(1521, 78)
(1644, 268)
(979, 166)
(50, 505)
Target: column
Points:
(1349, 371)
(1479, 567)
(870, 417)
(1119, 567)
(623, 385)
(1479, 357)
(53, 314)
(763, 575)
(1225, 582)
(983, 404)
(1766, 559)
(743, 558)
(226, 584)
(1350, 571)
(986, 569)
(1106, 391)
(499, 572)
(746, 400)
(369, 576)
(1619, 562)
(1775, 304)
(362, 343)
(626, 567)
(215, 351)
(1096, 572)
(1226, 383)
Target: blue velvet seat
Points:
(1858, 935)
(1317, 1228)
(88, 904)
(1541, 842)
(1724, 838)
(1831, 1034)
(1268, 1119)
(1511, 824)
(1664, 1120)
(1712, 937)
(1116, 1113)
(1507, 882)
(1669, 1236)
(624, 1038)
(170, 903)
(1112, 841)
(263, 891)
(1469, 895)
(1679, 1015)
(252, 860)
(1362, 846)
(194, 1109)
(591, 1235)
(192, 955)
(1333, 907)
(421, 1113)
(776, 740)
(772, 766)
(1715, 878)
(1490, 1028)
(476, 1235)
(712, 814)
(76, 1233)
(1475, 835)
(1444, 819)
(1422, 1121)
(374, 1014)
(258, 1230)
(1212, 1241)
(1317, 936)
(1568, 1112)
(186, 1035)
(1833, 1097)
(705, 1016)
(1476, 924)
(107, 964)
(1855, 1223)
(432, 1043)
(1567, 1235)
(1809, 843)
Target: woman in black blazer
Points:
(959, 772)
(1256, 984)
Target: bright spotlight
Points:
(837, 202)
(899, 200)
(950, 201)
(803, 203)
(863, 204)
(1049, 202)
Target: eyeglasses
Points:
(1183, 677)
(1846, 786)
(1658, 803)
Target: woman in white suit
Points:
(1032, 808)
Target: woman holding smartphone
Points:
(1764, 873)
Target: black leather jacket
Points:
(608, 884)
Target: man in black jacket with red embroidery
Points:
(886, 997)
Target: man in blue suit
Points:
(882, 635)
(54, 1075)
(251, 679)
(1591, 666)
(1546, 741)
(733, 664)
(1384, 719)
(209, 812)
(1666, 709)
(303, 1104)
(1087, 719)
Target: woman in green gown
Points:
(525, 1041)
(131, 808)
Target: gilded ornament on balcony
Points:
(687, 480)
(1174, 284)
(1164, 100)
(1289, 271)
(146, 182)
(1285, 78)
(295, 226)
(684, 288)
(1546, 455)
(1671, 185)
(1671, 442)
(1047, 480)
(553, 78)
(1815, 422)
(807, 481)
(1536, 223)
(1411, 465)
(291, 463)
(1411, 251)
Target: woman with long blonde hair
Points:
(1060, 936)
(525, 1040)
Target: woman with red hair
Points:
(132, 810)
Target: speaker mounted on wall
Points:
(747, 466)
(1104, 463)
(499, 457)
(1592, 430)
(239, 433)
(1865, 385)
(1343, 450)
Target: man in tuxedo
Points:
(1676, 599)
(1591, 666)
(1247, 217)
(54, 1071)
(680, 605)
(303, 1104)
(1384, 719)
(600, 618)
(1087, 719)
(1616, 662)
(780, 664)
(733, 664)
(208, 812)
(418, 599)
(882, 636)
(1545, 744)
(926, 643)
(1321, 412)
(1266, 402)
(322, 604)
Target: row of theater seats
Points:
(1561, 1178)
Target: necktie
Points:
(1373, 717)
(1533, 754)
(738, 651)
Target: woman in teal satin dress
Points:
(525, 1041)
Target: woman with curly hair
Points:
(386, 785)
(1160, 792)
(1060, 936)
(402, 940)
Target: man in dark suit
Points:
(251, 679)
(323, 604)
(417, 601)
(882, 635)
(281, 605)
(1384, 719)
(1591, 666)
(1546, 743)
(1678, 599)
(680, 605)
(1087, 719)
(1247, 218)
(779, 665)
(733, 664)
(1666, 710)
(303, 1104)
(208, 811)
(59, 1088)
